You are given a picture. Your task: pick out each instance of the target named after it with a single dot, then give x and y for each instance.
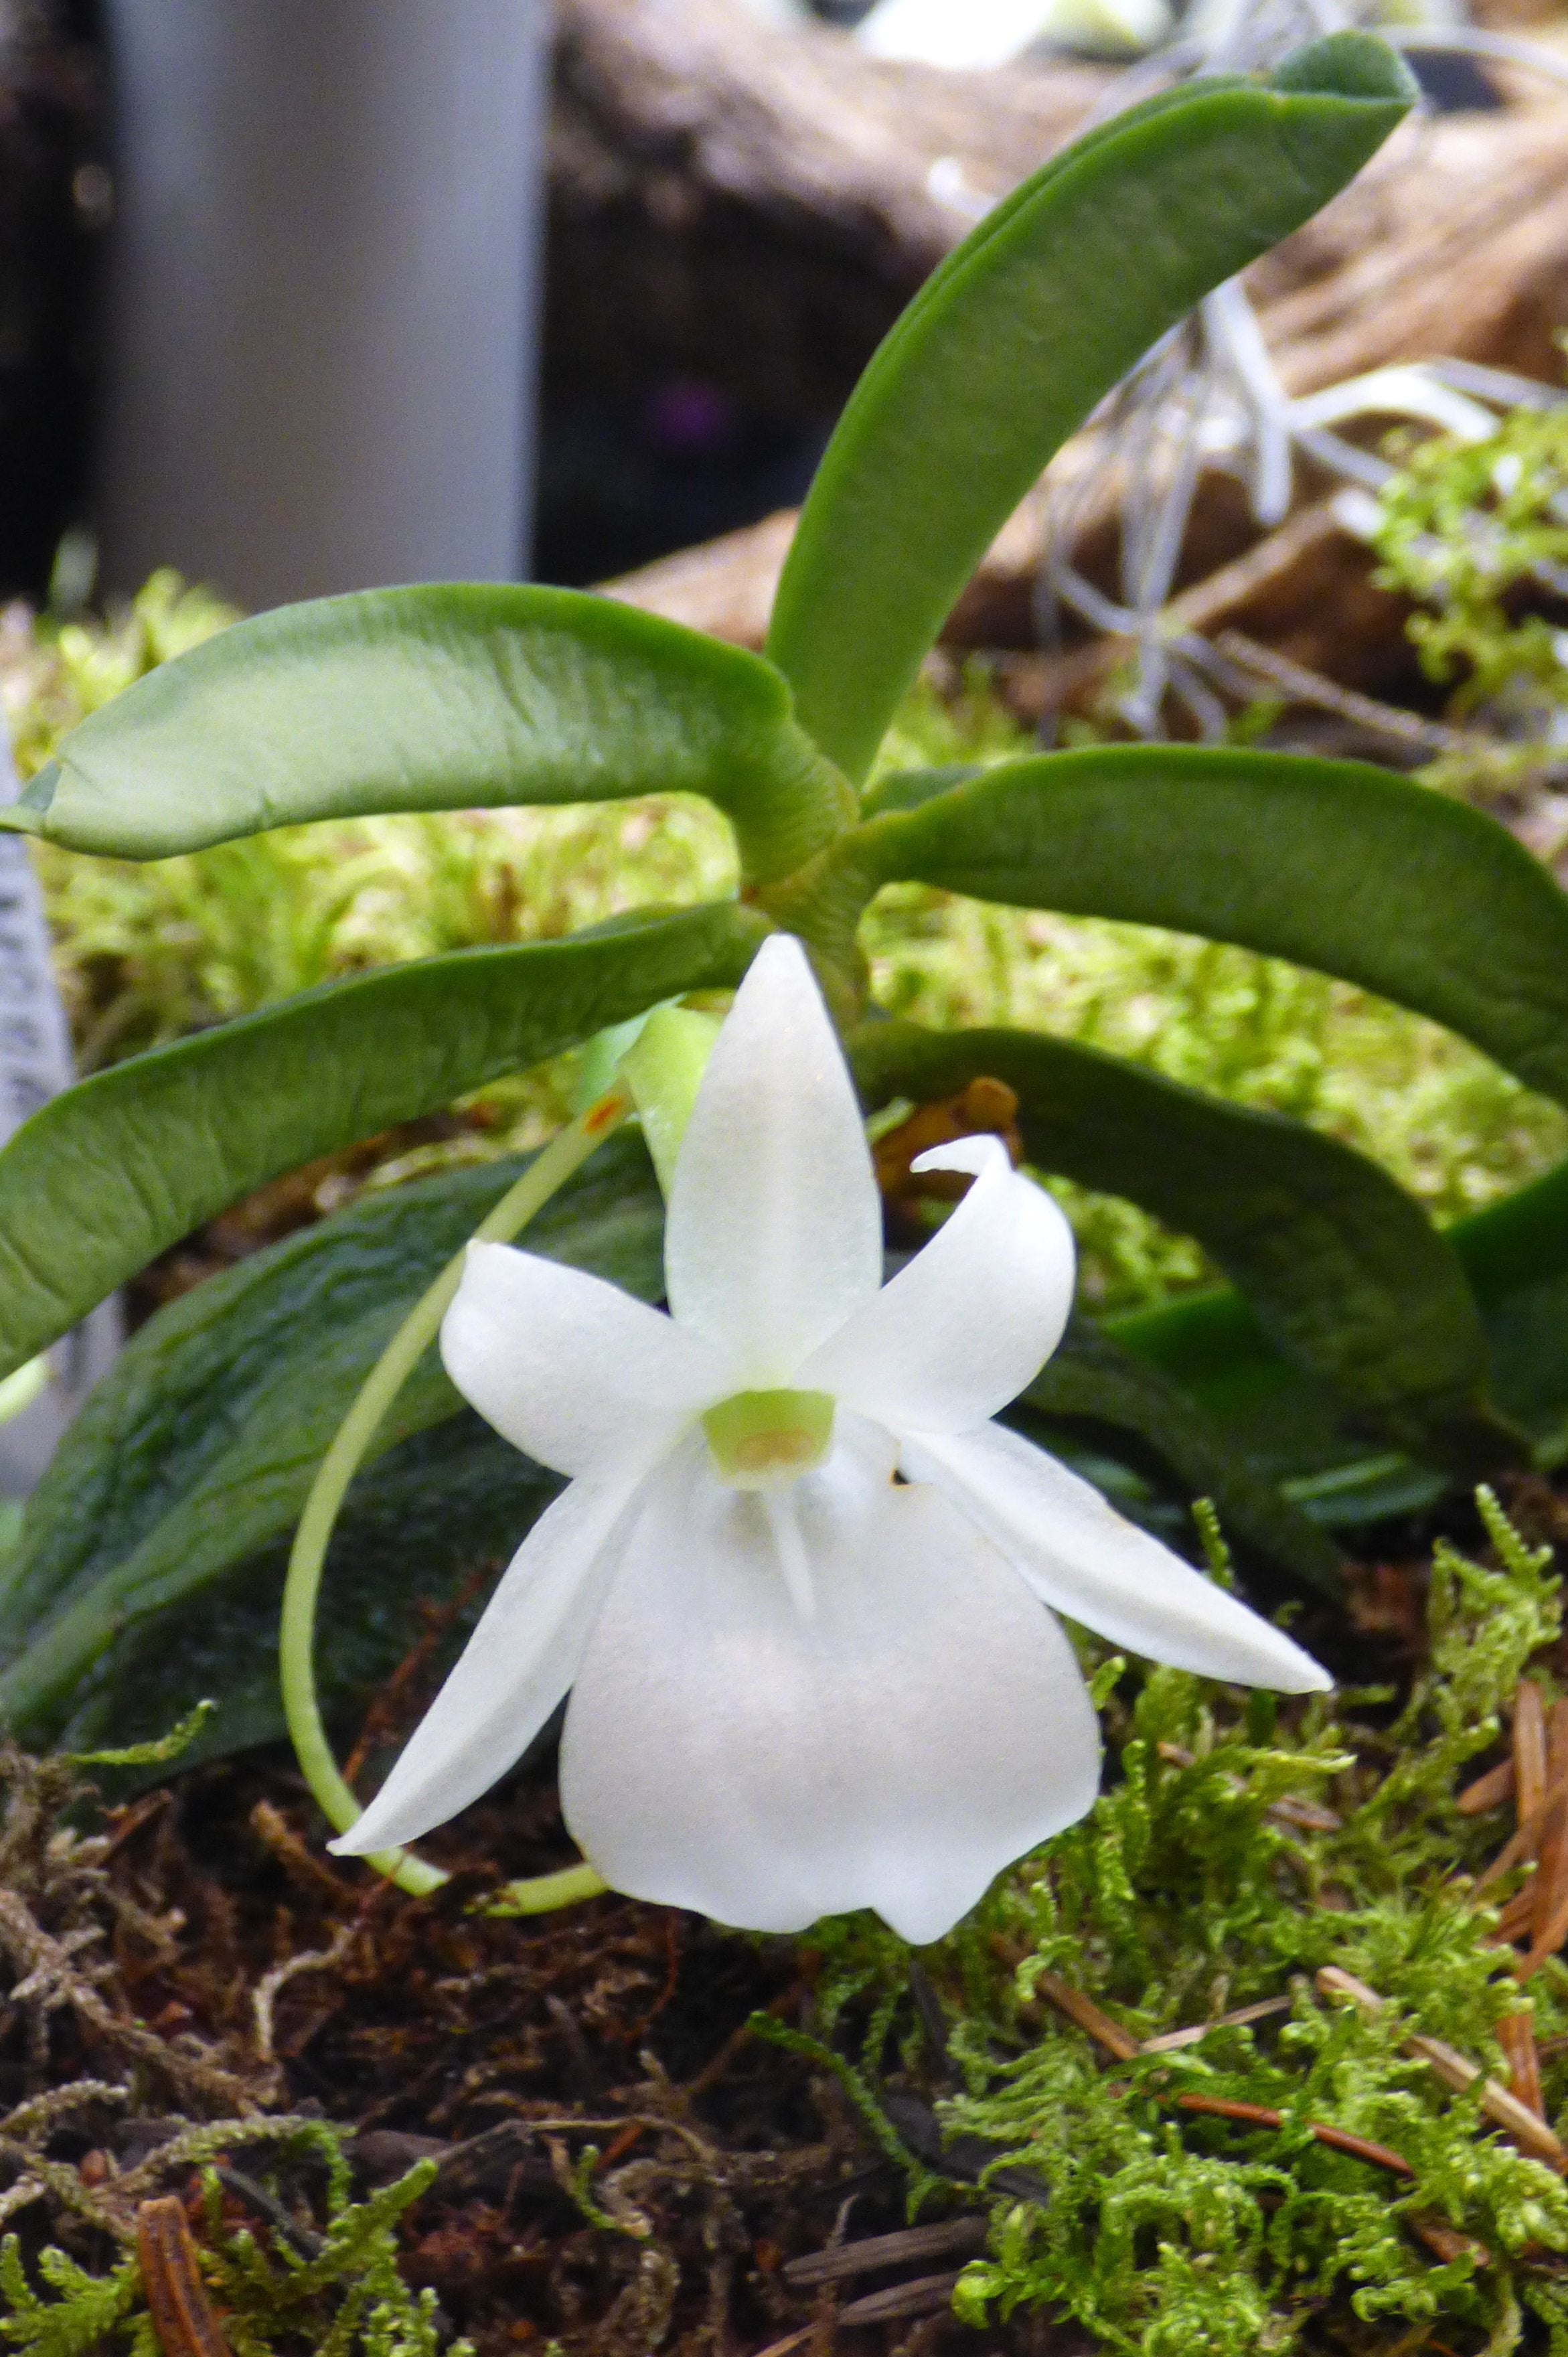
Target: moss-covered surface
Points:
(1238, 1850)
(638, 2124)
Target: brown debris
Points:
(1117, 2041)
(199, 1927)
(1447, 2243)
(874, 2252)
(1264, 2116)
(1516, 2036)
(924, 2295)
(1487, 1792)
(984, 1108)
(1173, 2040)
(183, 2316)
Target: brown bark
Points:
(1454, 242)
(756, 207)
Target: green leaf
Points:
(118, 1169)
(1343, 1270)
(1093, 1389)
(1023, 328)
(1335, 865)
(437, 698)
(1210, 1345)
(429, 1525)
(197, 1450)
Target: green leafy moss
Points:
(1187, 1893)
(1464, 526)
(347, 2299)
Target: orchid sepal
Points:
(798, 1595)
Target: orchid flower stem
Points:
(544, 1176)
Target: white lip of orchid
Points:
(799, 1685)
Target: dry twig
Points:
(1456, 2070)
(183, 2316)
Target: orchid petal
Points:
(512, 1673)
(1081, 1556)
(971, 1318)
(894, 1746)
(775, 1228)
(572, 1370)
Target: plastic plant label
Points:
(35, 1065)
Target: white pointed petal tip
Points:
(970, 1154)
(512, 1673)
(774, 1233)
(1085, 1559)
(969, 1320)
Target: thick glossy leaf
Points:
(1343, 1270)
(197, 1451)
(1211, 1346)
(1333, 864)
(1023, 328)
(447, 697)
(1093, 1389)
(118, 1169)
(428, 1526)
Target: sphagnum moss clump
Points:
(1241, 1849)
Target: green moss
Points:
(1185, 1894)
(1464, 527)
(347, 2299)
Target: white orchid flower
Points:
(802, 1590)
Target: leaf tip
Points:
(1348, 65)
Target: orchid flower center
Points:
(761, 1438)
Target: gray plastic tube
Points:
(323, 292)
(35, 1063)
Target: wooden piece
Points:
(754, 206)
(1083, 2010)
(923, 2296)
(1264, 2116)
(751, 208)
(1447, 2243)
(1297, 684)
(1528, 1748)
(835, 2265)
(1487, 1792)
(1549, 1913)
(1516, 1920)
(1174, 2040)
(1549, 1928)
(725, 586)
(1516, 2036)
(1363, 2148)
(183, 2316)
(1520, 1844)
(1227, 2108)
